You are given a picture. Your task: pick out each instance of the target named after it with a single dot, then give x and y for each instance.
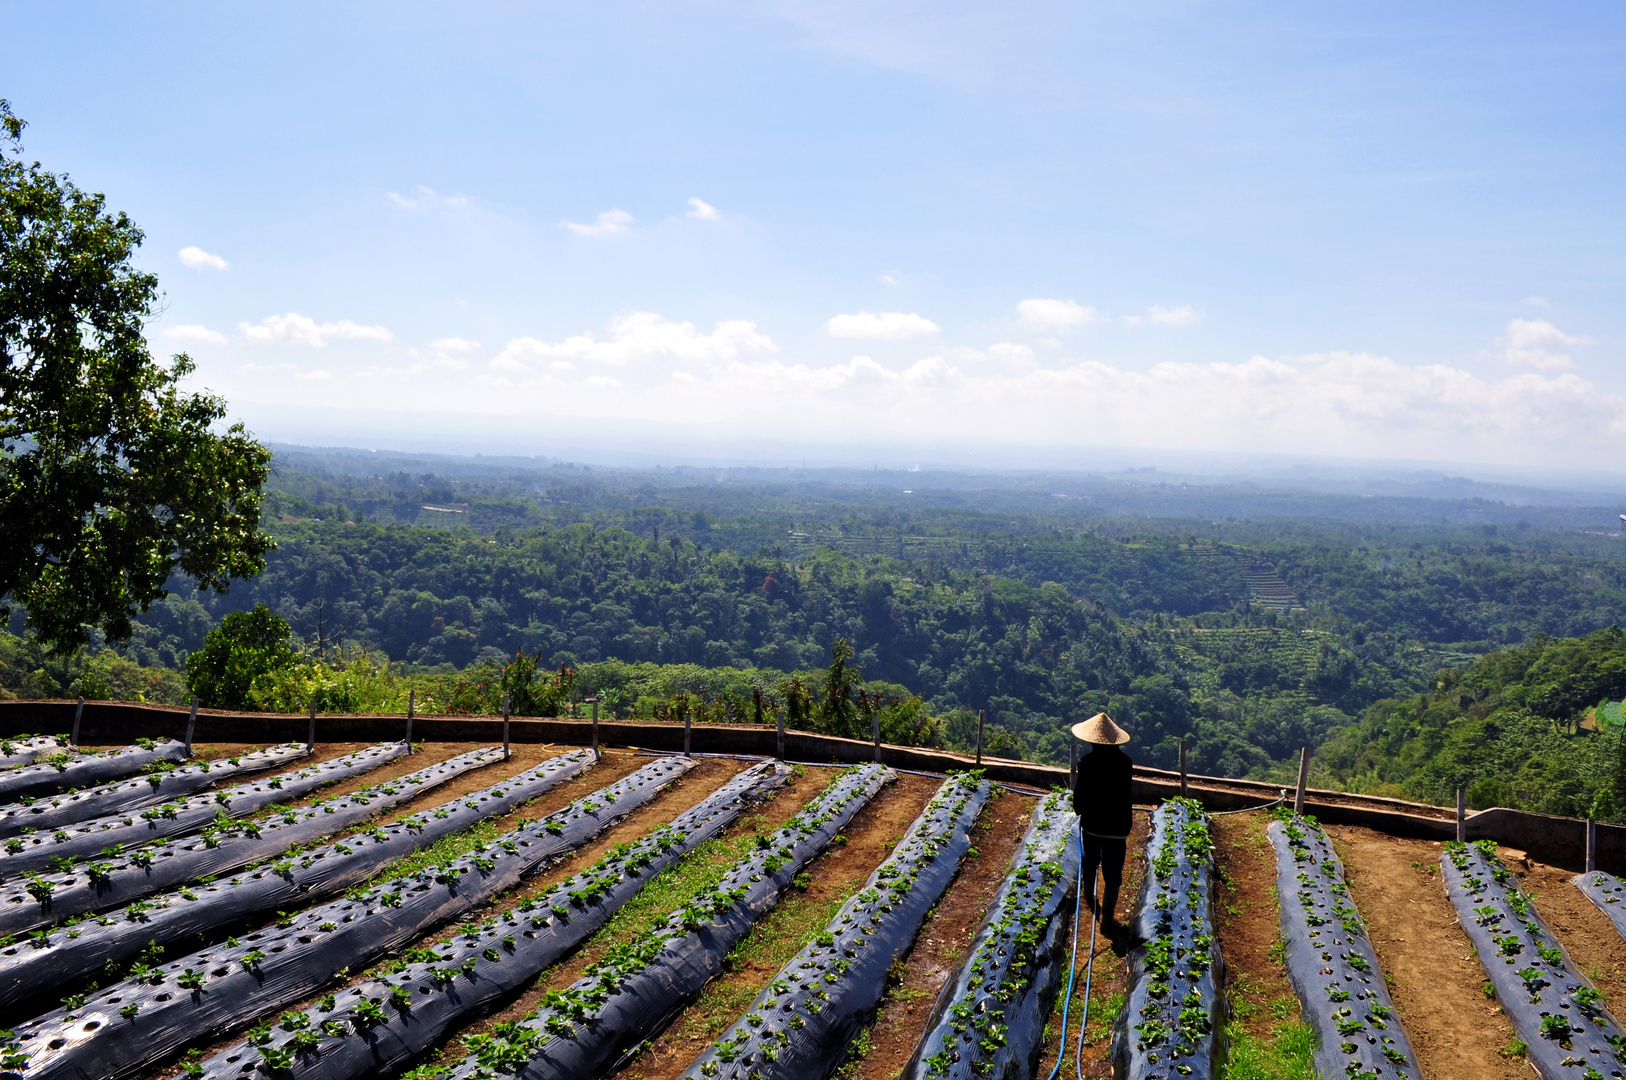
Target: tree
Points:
(112, 478)
(246, 645)
(837, 714)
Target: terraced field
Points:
(358, 911)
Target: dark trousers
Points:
(1109, 856)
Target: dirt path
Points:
(1585, 932)
(944, 940)
(1434, 976)
(699, 782)
(1248, 921)
(1108, 979)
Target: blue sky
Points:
(1377, 231)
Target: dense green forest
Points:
(1520, 727)
(1251, 635)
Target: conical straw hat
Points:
(1100, 729)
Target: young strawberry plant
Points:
(631, 993)
(989, 1021)
(1606, 891)
(1558, 1015)
(56, 844)
(228, 985)
(1330, 961)
(297, 879)
(66, 770)
(119, 878)
(799, 1027)
(1172, 1016)
(461, 978)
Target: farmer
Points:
(1102, 801)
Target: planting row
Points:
(156, 1011)
(381, 1024)
(59, 846)
(1606, 891)
(1330, 960)
(631, 994)
(162, 782)
(27, 749)
(42, 899)
(49, 958)
(990, 1019)
(1172, 1015)
(800, 1026)
(67, 769)
(1557, 1014)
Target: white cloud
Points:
(197, 259)
(1054, 315)
(609, 223)
(641, 337)
(1538, 301)
(454, 345)
(700, 208)
(290, 371)
(296, 329)
(888, 325)
(1179, 316)
(429, 199)
(1531, 342)
(197, 335)
(891, 279)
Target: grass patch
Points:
(442, 851)
(1288, 1054)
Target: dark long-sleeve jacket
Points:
(1103, 795)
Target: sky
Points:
(1037, 231)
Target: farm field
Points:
(780, 870)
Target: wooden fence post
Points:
(1462, 818)
(1591, 845)
(781, 723)
(982, 714)
(191, 724)
(505, 727)
(877, 724)
(79, 710)
(688, 724)
(1304, 778)
(594, 700)
(310, 741)
(412, 701)
(1072, 762)
(1183, 788)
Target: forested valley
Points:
(1377, 634)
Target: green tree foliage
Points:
(247, 646)
(111, 477)
(1513, 730)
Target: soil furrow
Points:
(1434, 977)
(943, 941)
(1107, 981)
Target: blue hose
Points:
(1072, 972)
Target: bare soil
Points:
(1248, 922)
(1585, 932)
(944, 939)
(1434, 976)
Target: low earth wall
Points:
(1555, 840)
